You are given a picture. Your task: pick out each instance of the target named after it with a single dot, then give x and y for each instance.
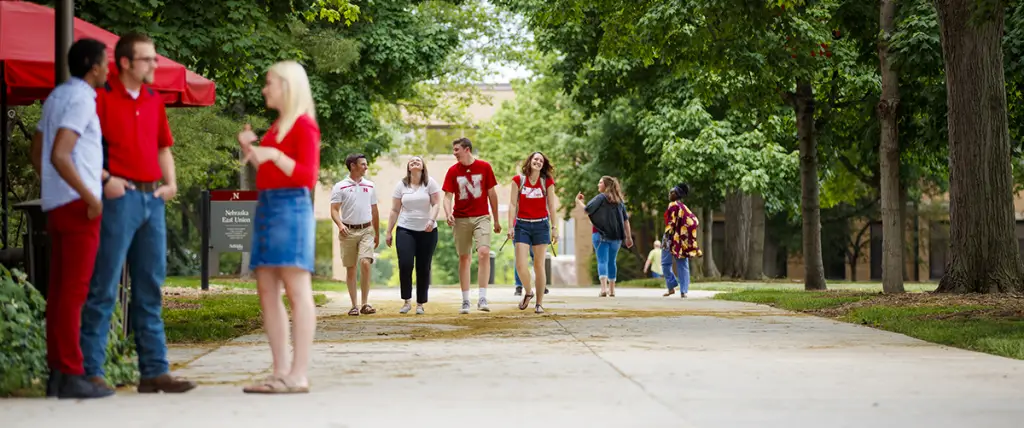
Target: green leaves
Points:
(23, 341)
(720, 158)
(332, 11)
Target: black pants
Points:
(415, 248)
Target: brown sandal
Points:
(669, 293)
(354, 311)
(526, 302)
(367, 309)
(275, 385)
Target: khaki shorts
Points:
(468, 229)
(356, 246)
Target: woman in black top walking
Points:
(607, 213)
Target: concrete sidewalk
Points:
(636, 360)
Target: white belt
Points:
(531, 220)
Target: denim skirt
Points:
(284, 234)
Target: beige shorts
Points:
(468, 229)
(356, 246)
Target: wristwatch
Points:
(107, 179)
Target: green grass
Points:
(319, 284)
(799, 286)
(214, 317)
(981, 328)
(795, 300)
(973, 329)
(776, 284)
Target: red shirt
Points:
(532, 203)
(301, 144)
(470, 185)
(134, 130)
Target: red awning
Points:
(26, 52)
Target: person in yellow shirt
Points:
(655, 268)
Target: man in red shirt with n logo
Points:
(471, 179)
(138, 180)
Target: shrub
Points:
(23, 341)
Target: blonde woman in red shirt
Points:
(531, 205)
(288, 166)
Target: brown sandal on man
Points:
(354, 312)
(526, 301)
(367, 309)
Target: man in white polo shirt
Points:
(354, 210)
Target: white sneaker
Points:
(465, 307)
(419, 309)
(482, 305)
(405, 309)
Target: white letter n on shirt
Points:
(466, 188)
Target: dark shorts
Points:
(533, 232)
(284, 234)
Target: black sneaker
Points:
(519, 291)
(53, 383)
(78, 387)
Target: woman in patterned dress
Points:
(680, 241)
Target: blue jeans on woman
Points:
(606, 251)
(683, 268)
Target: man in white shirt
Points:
(67, 153)
(354, 211)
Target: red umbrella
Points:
(26, 52)
(27, 72)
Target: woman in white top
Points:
(417, 200)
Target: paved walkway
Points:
(637, 360)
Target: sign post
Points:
(228, 217)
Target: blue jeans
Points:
(671, 280)
(606, 252)
(133, 227)
(519, 282)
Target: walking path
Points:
(637, 360)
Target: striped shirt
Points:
(356, 199)
(72, 106)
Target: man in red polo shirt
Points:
(138, 180)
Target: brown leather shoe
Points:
(101, 382)
(165, 383)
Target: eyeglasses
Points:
(151, 59)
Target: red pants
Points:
(74, 240)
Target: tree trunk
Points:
(915, 233)
(889, 169)
(755, 252)
(697, 264)
(904, 227)
(856, 248)
(737, 234)
(707, 224)
(814, 268)
(983, 244)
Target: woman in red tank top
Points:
(531, 205)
